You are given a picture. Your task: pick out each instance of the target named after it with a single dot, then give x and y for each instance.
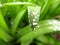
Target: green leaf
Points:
(5, 36)
(54, 6)
(17, 19)
(42, 30)
(23, 31)
(3, 23)
(17, 3)
(53, 9)
(42, 38)
(45, 9)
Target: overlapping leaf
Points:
(51, 26)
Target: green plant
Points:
(15, 28)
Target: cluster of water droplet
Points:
(33, 15)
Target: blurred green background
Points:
(15, 28)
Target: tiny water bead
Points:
(33, 15)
